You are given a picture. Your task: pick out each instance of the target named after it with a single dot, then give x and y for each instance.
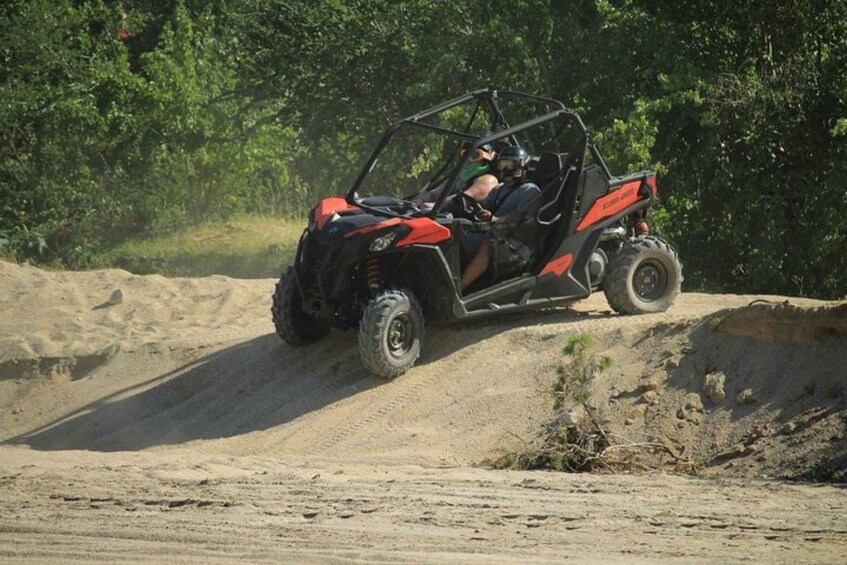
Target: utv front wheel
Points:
(644, 276)
(391, 333)
(294, 326)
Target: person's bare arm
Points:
(481, 186)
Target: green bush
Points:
(123, 118)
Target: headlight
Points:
(382, 242)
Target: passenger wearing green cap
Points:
(476, 177)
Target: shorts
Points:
(470, 243)
(508, 256)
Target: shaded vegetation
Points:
(132, 118)
(241, 247)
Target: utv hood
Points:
(335, 218)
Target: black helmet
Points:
(511, 164)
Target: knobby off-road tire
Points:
(293, 325)
(391, 333)
(644, 276)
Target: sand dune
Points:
(175, 424)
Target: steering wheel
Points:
(470, 206)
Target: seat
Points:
(550, 169)
(534, 224)
(549, 166)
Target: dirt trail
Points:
(190, 507)
(175, 424)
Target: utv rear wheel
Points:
(391, 333)
(644, 276)
(294, 326)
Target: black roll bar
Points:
(490, 97)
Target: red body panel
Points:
(651, 182)
(424, 230)
(611, 204)
(329, 206)
(558, 266)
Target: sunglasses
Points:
(479, 154)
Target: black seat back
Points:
(538, 220)
(549, 166)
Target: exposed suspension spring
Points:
(373, 271)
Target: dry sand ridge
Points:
(173, 423)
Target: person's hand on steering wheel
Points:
(473, 208)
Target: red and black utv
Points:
(380, 260)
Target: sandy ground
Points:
(174, 425)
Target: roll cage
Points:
(499, 129)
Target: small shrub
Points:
(575, 373)
(567, 446)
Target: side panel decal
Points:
(611, 204)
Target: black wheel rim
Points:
(650, 281)
(399, 335)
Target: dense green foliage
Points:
(117, 119)
(131, 116)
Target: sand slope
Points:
(174, 423)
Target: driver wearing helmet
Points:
(510, 196)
